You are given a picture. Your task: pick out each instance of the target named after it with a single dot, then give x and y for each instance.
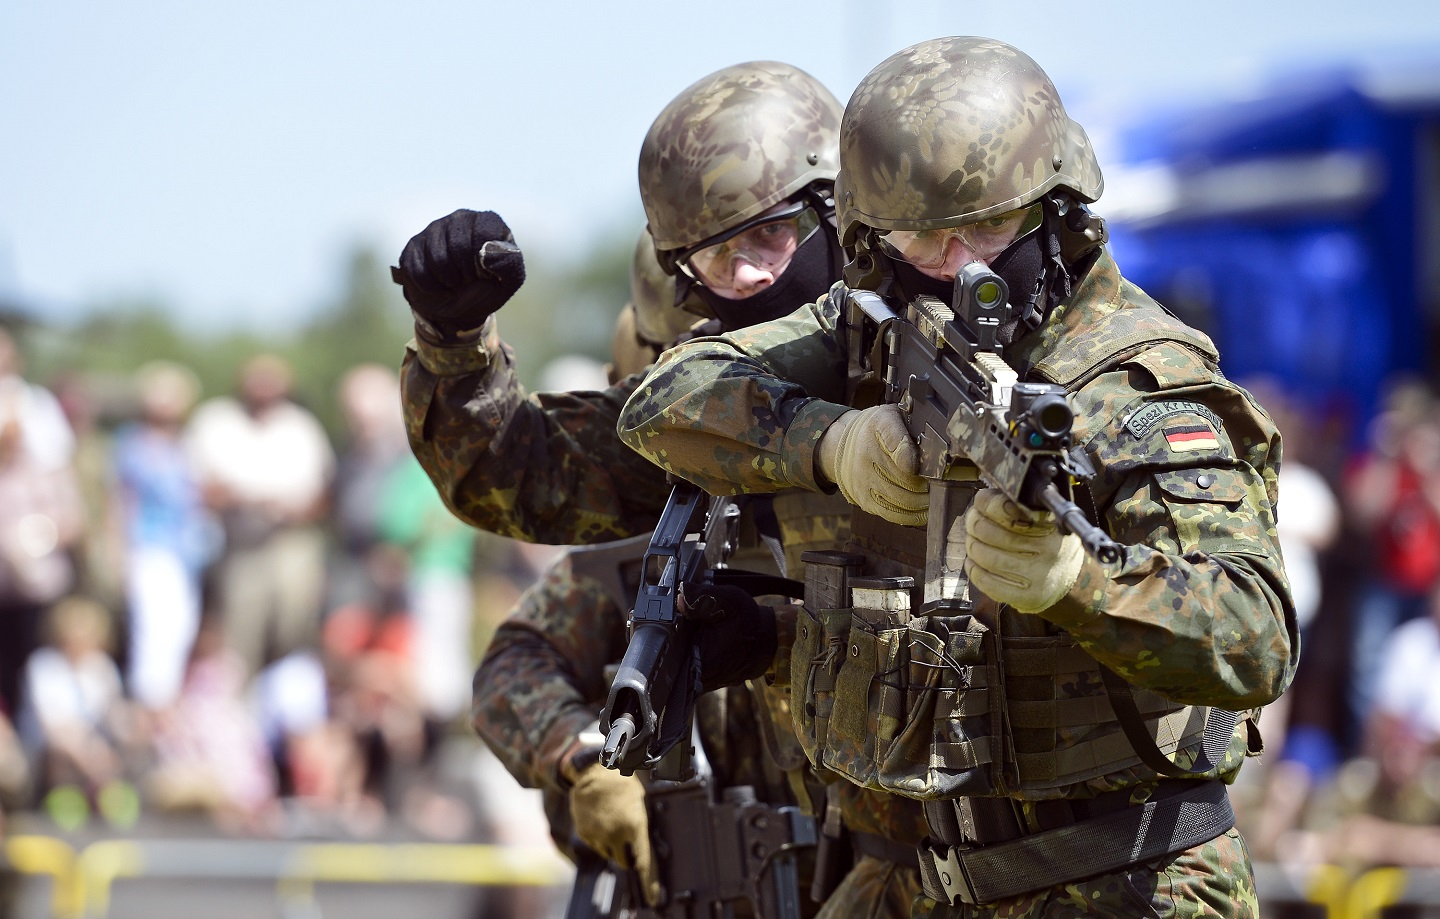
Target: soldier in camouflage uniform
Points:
(743, 248)
(542, 683)
(1072, 736)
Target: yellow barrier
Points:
(100, 865)
(435, 863)
(418, 863)
(298, 867)
(1279, 884)
(1374, 890)
(49, 856)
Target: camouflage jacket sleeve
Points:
(542, 680)
(742, 412)
(1200, 609)
(543, 468)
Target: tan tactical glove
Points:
(869, 455)
(1018, 557)
(608, 810)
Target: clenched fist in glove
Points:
(870, 457)
(608, 810)
(736, 635)
(1017, 557)
(459, 270)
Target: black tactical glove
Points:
(460, 269)
(736, 635)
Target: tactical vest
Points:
(987, 702)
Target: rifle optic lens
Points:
(1052, 417)
(988, 293)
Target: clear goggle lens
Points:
(768, 242)
(985, 239)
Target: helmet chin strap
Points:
(1047, 263)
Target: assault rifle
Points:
(650, 708)
(711, 852)
(973, 422)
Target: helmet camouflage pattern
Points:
(628, 353)
(657, 319)
(954, 130)
(732, 145)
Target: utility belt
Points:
(984, 849)
(873, 845)
(986, 852)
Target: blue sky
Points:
(225, 157)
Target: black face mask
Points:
(814, 267)
(912, 282)
(1019, 266)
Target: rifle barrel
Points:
(616, 742)
(1073, 520)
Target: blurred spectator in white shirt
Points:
(265, 466)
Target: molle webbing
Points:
(1037, 672)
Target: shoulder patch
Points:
(1143, 420)
(1187, 438)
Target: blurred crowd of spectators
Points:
(1351, 773)
(212, 608)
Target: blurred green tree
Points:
(565, 307)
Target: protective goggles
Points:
(985, 238)
(768, 242)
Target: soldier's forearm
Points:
(1203, 630)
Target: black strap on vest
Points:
(1134, 836)
(1219, 729)
(887, 850)
(758, 584)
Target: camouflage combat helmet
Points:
(629, 353)
(732, 145)
(954, 130)
(657, 319)
(651, 321)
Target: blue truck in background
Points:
(1300, 228)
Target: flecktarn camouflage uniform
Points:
(542, 682)
(549, 468)
(543, 467)
(1197, 614)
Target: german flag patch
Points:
(1187, 438)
